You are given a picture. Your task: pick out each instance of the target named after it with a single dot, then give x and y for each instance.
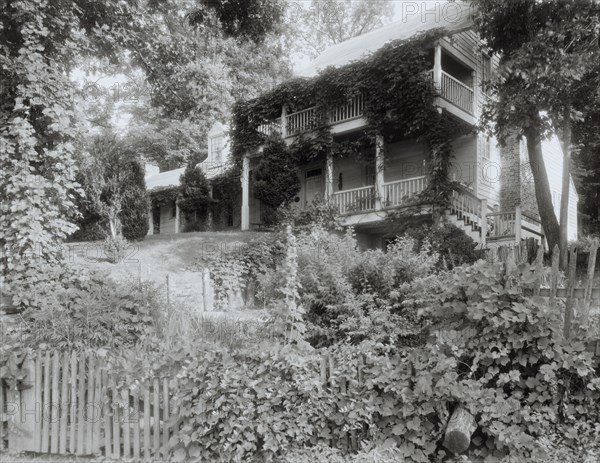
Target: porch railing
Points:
(353, 109)
(301, 121)
(502, 224)
(355, 200)
(398, 192)
(466, 204)
(456, 92)
(271, 127)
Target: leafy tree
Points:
(114, 182)
(317, 25)
(586, 135)
(546, 49)
(135, 205)
(194, 194)
(42, 41)
(196, 71)
(276, 180)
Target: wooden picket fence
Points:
(73, 406)
(579, 301)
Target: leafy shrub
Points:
(135, 205)
(243, 269)
(583, 244)
(276, 180)
(355, 295)
(195, 225)
(115, 248)
(76, 309)
(319, 213)
(450, 242)
(332, 455)
(194, 198)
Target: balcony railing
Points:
(269, 128)
(456, 92)
(301, 121)
(353, 109)
(397, 193)
(450, 88)
(355, 200)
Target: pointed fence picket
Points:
(71, 405)
(579, 300)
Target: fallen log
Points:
(459, 430)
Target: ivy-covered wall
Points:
(399, 104)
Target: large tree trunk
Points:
(543, 194)
(564, 199)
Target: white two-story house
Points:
(166, 217)
(497, 201)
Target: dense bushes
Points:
(488, 348)
(194, 198)
(276, 180)
(134, 212)
(78, 309)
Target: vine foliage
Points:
(399, 104)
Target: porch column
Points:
(484, 227)
(245, 193)
(328, 177)
(284, 130)
(518, 224)
(209, 218)
(379, 169)
(437, 67)
(177, 218)
(151, 221)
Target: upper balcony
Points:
(455, 93)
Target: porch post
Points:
(151, 220)
(177, 218)
(437, 66)
(284, 128)
(245, 193)
(379, 170)
(328, 177)
(483, 222)
(518, 224)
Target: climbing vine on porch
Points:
(163, 196)
(399, 104)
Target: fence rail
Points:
(355, 200)
(398, 192)
(74, 407)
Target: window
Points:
(174, 210)
(216, 147)
(314, 173)
(487, 149)
(340, 182)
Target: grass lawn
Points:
(158, 255)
